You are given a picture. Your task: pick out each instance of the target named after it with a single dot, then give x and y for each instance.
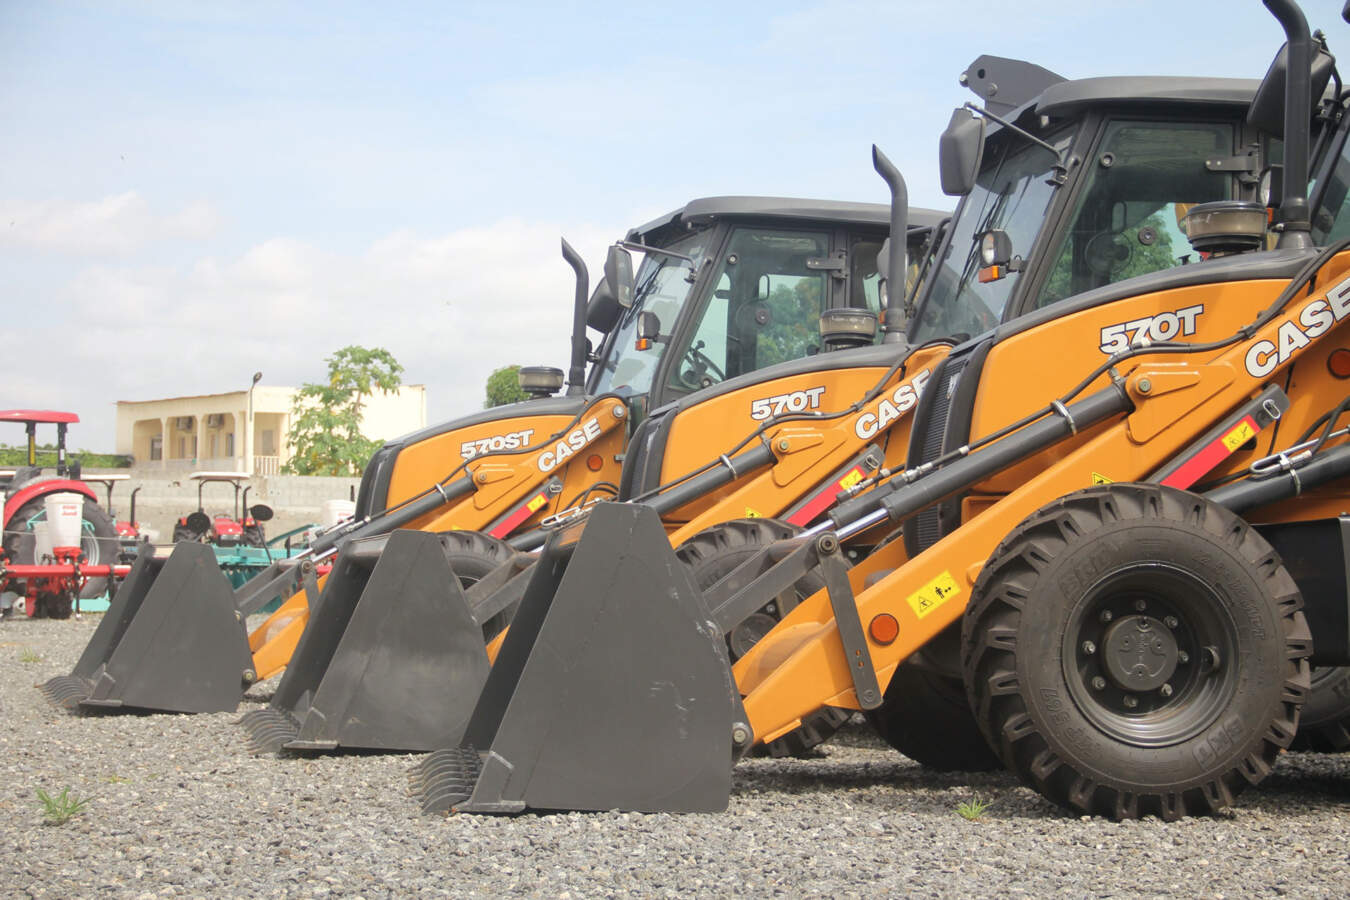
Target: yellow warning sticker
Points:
(854, 476)
(536, 502)
(1240, 435)
(1099, 478)
(933, 594)
(751, 513)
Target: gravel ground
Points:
(180, 809)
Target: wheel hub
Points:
(1139, 653)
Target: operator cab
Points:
(741, 285)
(1088, 183)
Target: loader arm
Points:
(802, 664)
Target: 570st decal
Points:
(515, 440)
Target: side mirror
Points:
(1267, 110)
(959, 152)
(603, 310)
(884, 260)
(261, 512)
(648, 329)
(619, 275)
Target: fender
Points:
(58, 485)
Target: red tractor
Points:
(50, 586)
(241, 527)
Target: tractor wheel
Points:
(98, 542)
(1324, 726)
(472, 555)
(714, 552)
(926, 716)
(1134, 650)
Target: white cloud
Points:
(451, 308)
(115, 225)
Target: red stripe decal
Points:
(821, 501)
(518, 515)
(1213, 453)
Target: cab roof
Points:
(1153, 91)
(710, 209)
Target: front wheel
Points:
(1134, 650)
(716, 551)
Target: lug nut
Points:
(739, 735)
(1165, 690)
(1099, 683)
(1183, 657)
(1089, 648)
(1131, 701)
(1171, 622)
(1140, 605)
(1106, 615)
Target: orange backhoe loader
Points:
(1097, 485)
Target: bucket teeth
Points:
(66, 691)
(446, 778)
(269, 729)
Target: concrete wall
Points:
(296, 500)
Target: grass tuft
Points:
(62, 808)
(29, 655)
(973, 810)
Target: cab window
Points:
(764, 307)
(1127, 220)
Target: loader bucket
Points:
(612, 689)
(392, 659)
(171, 640)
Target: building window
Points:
(229, 444)
(157, 447)
(267, 443)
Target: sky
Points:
(192, 192)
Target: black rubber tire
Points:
(1324, 725)
(714, 552)
(1178, 732)
(926, 716)
(98, 541)
(472, 555)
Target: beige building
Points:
(212, 432)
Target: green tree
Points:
(503, 388)
(325, 433)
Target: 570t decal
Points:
(1163, 327)
(792, 402)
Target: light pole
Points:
(248, 427)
